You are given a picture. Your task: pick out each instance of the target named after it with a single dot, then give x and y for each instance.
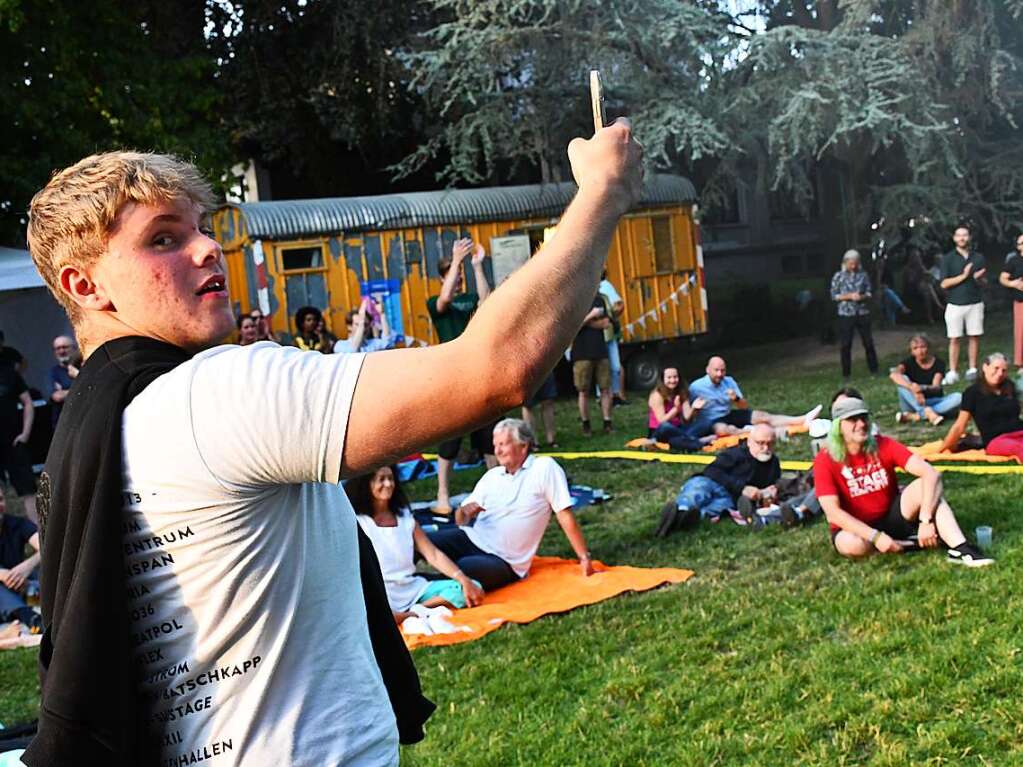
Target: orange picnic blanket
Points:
(554, 585)
(734, 439)
(932, 452)
(643, 443)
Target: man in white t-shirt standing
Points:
(241, 572)
(504, 518)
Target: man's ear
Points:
(84, 291)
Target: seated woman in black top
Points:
(994, 407)
(919, 379)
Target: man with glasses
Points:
(262, 326)
(60, 376)
(1012, 278)
(748, 472)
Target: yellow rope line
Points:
(636, 455)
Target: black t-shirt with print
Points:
(924, 376)
(994, 414)
(590, 344)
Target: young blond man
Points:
(205, 594)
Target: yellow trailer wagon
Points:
(328, 253)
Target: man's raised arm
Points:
(407, 399)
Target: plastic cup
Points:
(984, 537)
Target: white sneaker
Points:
(971, 374)
(952, 377)
(812, 414)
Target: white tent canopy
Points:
(17, 270)
(29, 317)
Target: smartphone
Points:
(597, 100)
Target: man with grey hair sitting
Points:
(502, 521)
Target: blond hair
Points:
(72, 217)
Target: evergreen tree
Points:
(508, 80)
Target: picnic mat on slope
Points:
(554, 585)
(932, 452)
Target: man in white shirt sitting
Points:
(504, 518)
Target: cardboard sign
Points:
(507, 254)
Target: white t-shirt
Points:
(241, 559)
(395, 548)
(517, 508)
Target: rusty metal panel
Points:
(373, 256)
(662, 305)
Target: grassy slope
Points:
(776, 653)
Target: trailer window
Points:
(293, 259)
(664, 253)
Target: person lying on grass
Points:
(383, 513)
(504, 518)
(725, 409)
(854, 478)
(747, 471)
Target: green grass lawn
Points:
(776, 653)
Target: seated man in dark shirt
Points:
(919, 378)
(747, 471)
(15, 568)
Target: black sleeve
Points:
(722, 471)
(26, 529)
(969, 403)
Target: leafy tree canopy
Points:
(85, 77)
(507, 80)
(906, 107)
(317, 90)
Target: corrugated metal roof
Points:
(284, 219)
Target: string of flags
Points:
(652, 315)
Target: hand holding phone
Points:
(597, 100)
